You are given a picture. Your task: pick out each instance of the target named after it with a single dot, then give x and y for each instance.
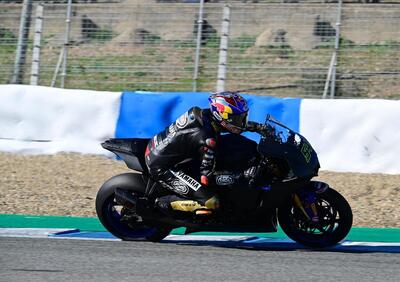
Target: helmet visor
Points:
(238, 120)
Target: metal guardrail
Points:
(282, 49)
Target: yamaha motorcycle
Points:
(309, 212)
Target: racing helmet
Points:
(229, 110)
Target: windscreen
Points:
(281, 142)
(281, 134)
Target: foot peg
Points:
(125, 198)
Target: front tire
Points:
(335, 221)
(111, 214)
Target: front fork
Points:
(306, 199)
(307, 206)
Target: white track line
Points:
(250, 241)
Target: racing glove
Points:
(207, 161)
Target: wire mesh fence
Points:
(278, 47)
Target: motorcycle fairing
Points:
(131, 150)
(283, 143)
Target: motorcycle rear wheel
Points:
(335, 221)
(111, 214)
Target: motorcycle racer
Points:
(194, 136)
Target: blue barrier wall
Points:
(365, 131)
(144, 114)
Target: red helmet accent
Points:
(229, 110)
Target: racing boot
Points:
(165, 206)
(173, 205)
(209, 207)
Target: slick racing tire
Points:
(111, 213)
(335, 221)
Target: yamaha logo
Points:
(193, 184)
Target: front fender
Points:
(318, 187)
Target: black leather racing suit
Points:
(192, 136)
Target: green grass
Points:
(102, 34)
(7, 36)
(7, 58)
(243, 42)
(165, 67)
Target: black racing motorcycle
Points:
(309, 212)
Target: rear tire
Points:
(336, 219)
(110, 212)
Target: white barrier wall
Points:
(353, 135)
(43, 120)
(348, 135)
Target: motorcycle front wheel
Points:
(335, 221)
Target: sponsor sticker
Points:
(155, 141)
(180, 188)
(193, 184)
(306, 151)
(182, 121)
(171, 130)
(224, 180)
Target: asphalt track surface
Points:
(27, 259)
